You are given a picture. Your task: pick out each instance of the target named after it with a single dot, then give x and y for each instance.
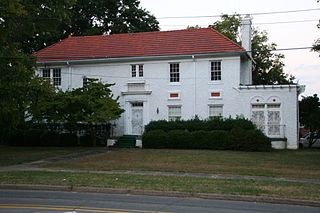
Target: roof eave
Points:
(138, 58)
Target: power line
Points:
(253, 14)
(259, 23)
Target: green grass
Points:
(286, 163)
(274, 189)
(17, 155)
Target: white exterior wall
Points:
(194, 88)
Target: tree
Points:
(316, 45)
(268, 67)
(91, 104)
(310, 115)
(42, 23)
(17, 76)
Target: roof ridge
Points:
(149, 32)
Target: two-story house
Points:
(175, 74)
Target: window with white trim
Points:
(56, 77)
(52, 75)
(46, 74)
(215, 111)
(174, 113)
(137, 70)
(174, 72)
(215, 73)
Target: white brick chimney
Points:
(246, 67)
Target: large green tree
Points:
(91, 104)
(310, 114)
(17, 77)
(42, 23)
(268, 65)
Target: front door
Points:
(137, 118)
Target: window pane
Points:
(141, 70)
(215, 70)
(56, 77)
(174, 73)
(174, 112)
(215, 111)
(133, 71)
(46, 74)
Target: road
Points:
(34, 201)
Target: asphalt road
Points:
(33, 201)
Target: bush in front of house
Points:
(216, 134)
(236, 139)
(155, 139)
(197, 124)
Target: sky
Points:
(303, 64)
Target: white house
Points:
(175, 74)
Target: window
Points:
(133, 71)
(215, 111)
(84, 81)
(215, 70)
(46, 74)
(56, 77)
(52, 75)
(140, 70)
(267, 118)
(174, 73)
(174, 113)
(135, 68)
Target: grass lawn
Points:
(285, 163)
(16, 155)
(275, 189)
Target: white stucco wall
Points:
(194, 89)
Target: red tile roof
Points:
(161, 43)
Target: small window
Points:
(215, 70)
(56, 77)
(273, 106)
(140, 70)
(133, 70)
(174, 113)
(137, 70)
(46, 74)
(84, 81)
(215, 111)
(257, 106)
(137, 104)
(174, 73)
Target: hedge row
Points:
(235, 139)
(38, 137)
(197, 125)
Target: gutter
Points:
(88, 60)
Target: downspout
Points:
(70, 76)
(195, 86)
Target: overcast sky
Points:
(303, 64)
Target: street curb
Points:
(258, 199)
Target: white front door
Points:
(137, 118)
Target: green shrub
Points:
(179, 139)
(155, 139)
(250, 140)
(197, 124)
(235, 139)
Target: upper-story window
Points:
(215, 70)
(137, 70)
(52, 75)
(174, 72)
